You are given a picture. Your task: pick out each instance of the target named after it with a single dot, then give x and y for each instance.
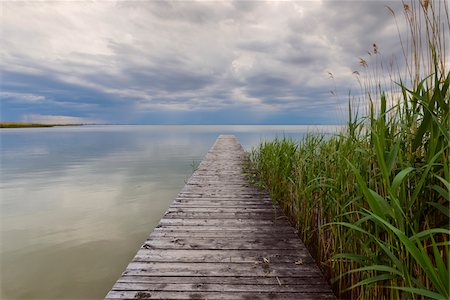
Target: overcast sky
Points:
(221, 62)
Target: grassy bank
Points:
(27, 125)
(372, 203)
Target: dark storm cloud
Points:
(257, 46)
(141, 57)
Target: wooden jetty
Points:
(222, 239)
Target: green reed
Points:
(372, 202)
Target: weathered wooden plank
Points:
(205, 190)
(206, 205)
(229, 228)
(211, 182)
(213, 256)
(228, 222)
(223, 209)
(269, 209)
(222, 238)
(311, 286)
(222, 234)
(223, 243)
(221, 269)
(220, 194)
(229, 280)
(241, 186)
(216, 295)
(263, 200)
(267, 215)
(222, 202)
(231, 205)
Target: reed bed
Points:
(372, 202)
(22, 125)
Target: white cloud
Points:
(27, 98)
(22, 97)
(51, 119)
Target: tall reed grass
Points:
(372, 203)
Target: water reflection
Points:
(77, 202)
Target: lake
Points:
(77, 202)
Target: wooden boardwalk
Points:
(221, 239)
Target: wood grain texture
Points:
(222, 238)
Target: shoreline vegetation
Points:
(372, 203)
(29, 125)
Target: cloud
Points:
(22, 97)
(115, 60)
(51, 119)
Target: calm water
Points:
(77, 202)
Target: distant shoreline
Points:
(29, 125)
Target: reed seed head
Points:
(375, 48)
(425, 5)
(405, 7)
(363, 62)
